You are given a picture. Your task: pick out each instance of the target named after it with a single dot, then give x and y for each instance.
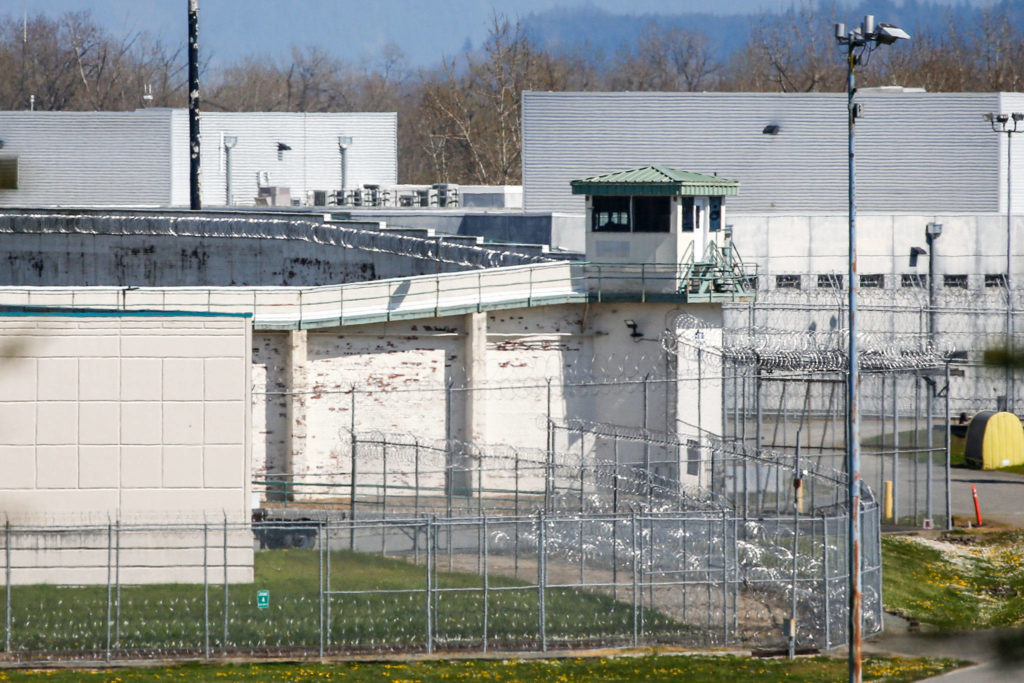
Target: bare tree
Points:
(476, 111)
(666, 59)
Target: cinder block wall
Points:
(132, 417)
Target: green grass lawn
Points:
(693, 669)
(979, 584)
(170, 618)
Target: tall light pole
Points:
(1001, 123)
(859, 42)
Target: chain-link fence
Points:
(428, 583)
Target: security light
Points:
(230, 141)
(1002, 118)
(1017, 116)
(771, 129)
(933, 229)
(914, 253)
(344, 141)
(888, 34)
(631, 324)
(282, 147)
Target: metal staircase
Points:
(719, 275)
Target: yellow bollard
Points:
(888, 500)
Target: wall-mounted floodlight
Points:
(914, 253)
(933, 229)
(771, 129)
(230, 141)
(634, 332)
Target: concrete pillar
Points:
(474, 415)
(476, 376)
(296, 383)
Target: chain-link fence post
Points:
(429, 585)
(541, 611)
(206, 590)
(7, 587)
(110, 571)
(320, 584)
(483, 521)
(224, 643)
(117, 582)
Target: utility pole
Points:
(195, 201)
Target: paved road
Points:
(984, 647)
(1000, 495)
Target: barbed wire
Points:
(437, 249)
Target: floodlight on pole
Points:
(859, 42)
(1001, 123)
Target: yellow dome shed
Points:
(994, 440)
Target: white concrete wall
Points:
(401, 371)
(132, 417)
(974, 245)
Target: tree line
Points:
(460, 121)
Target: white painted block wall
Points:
(142, 418)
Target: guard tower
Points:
(672, 222)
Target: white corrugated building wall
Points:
(141, 158)
(917, 152)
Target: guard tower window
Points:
(714, 214)
(913, 280)
(631, 214)
(611, 214)
(995, 280)
(687, 214)
(652, 214)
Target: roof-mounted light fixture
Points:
(771, 129)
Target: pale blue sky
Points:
(424, 29)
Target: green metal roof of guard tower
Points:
(657, 180)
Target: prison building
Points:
(141, 158)
(921, 157)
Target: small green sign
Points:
(263, 599)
